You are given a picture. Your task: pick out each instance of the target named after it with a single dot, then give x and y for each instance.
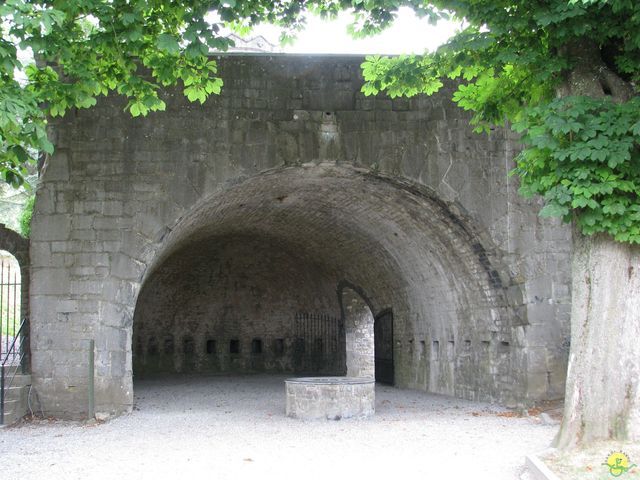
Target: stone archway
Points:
(302, 230)
(397, 196)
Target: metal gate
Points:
(13, 329)
(317, 344)
(383, 344)
(10, 318)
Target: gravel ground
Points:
(235, 427)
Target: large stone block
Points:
(57, 168)
(48, 227)
(50, 281)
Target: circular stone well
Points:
(330, 398)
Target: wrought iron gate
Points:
(14, 330)
(10, 318)
(317, 345)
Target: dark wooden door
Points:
(383, 342)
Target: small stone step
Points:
(14, 393)
(11, 405)
(11, 369)
(12, 417)
(15, 404)
(21, 380)
(14, 410)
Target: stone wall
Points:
(230, 309)
(397, 197)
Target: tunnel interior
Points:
(285, 273)
(239, 304)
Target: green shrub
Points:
(25, 217)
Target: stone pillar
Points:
(358, 325)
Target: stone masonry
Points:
(330, 398)
(231, 310)
(358, 334)
(223, 221)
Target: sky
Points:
(408, 34)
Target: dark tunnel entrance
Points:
(383, 347)
(239, 304)
(252, 280)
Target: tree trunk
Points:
(602, 399)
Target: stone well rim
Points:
(331, 380)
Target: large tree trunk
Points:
(602, 398)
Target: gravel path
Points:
(234, 427)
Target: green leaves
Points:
(554, 210)
(26, 215)
(99, 47)
(400, 76)
(51, 18)
(583, 156)
(168, 43)
(150, 103)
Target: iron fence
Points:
(10, 311)
(317, 347)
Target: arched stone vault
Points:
(407, 250)
(292, 166)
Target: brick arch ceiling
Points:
(403, 247)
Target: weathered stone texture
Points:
(358, 327)
(230, 305)
(330, 398)
(397, 197)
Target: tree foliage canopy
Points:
(563, 72)
(87, 48)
